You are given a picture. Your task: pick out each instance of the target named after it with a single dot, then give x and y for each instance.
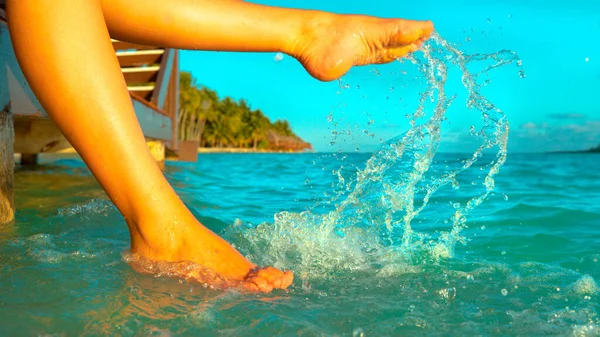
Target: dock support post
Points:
(29, 159)
(157, 149)
(7, 166)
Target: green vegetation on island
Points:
(592, 150)
(226, 123)
(595, 149)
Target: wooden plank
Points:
(141, 58)
(38, 135)
(172, 101)
(156, 124)
(160, 92)
(140, 75)
(120, 45)
(141, 92)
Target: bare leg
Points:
(65, 52)
(69, 76)
(328, 45)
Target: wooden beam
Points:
(141, 75)
(120, 45)
(142, 92)
(164, 75)
(155, 122)
(140, 57)
(38, 135)
(7, 166)
(172, 102)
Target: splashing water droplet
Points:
(278, 57)
(504, 292)
(505, 197)
(376, 210)
(358, 332)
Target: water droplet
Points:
(482, 227)
(448, 293)
(587, 59)
(358, 87)
(456, 205)
(489, 20)
(505, 197)
(278, 57)
(504, 292)
(503, 252)
(455, 185)
(331, 143)
(522, 73)
(358, 332)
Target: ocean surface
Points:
(525, 262)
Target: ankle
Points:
(154, 234)
(313, 24)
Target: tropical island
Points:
(592, 150)
(595, 149)
(225, 124)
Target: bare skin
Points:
(65, 52)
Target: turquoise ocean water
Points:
(528, 264)
(404, 241)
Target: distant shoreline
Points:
(202, 150)
(595, 151)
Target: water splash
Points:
(372, 225)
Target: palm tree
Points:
(214, 122)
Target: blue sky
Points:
(556, 107)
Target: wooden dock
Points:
(152, 76)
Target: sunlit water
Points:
(403, 241)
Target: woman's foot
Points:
(180, 246)
(330, 44)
